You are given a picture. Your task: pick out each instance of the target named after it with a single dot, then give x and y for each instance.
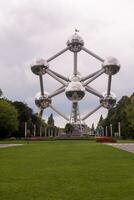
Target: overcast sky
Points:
(32, 29)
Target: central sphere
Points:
(75, 91)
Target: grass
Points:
(66, 170)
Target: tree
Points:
(50, 121)
(8, 118)
(69, 128)
(123, 113)
(1, 92)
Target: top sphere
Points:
(111, 65)
(75, 42)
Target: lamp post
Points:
(25, 129)
(119, 129)
(111, 130)
(34, 130)
(106, 131)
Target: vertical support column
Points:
(106, 131)
(25, 129)
(41, 131)
(49, 132)
(34, 130)
(102, 131)
(119, 129)
(109, 84)
(75, 63)
(41, 85)
(111, 130)
(45, 132)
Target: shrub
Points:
(105, 139)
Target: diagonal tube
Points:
(90, 113)
(93, 54)
(94, 77)
(57, 54)
(58, 91)
(93, 91)
(55, 77)
(57, 111)
(59, 75)
(90, 75)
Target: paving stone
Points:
(124, 146)
(9, 145)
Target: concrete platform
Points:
(9, 145)
(124, 146)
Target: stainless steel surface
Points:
(59, 75)
(76, 86)
(109, 84)
(41, 85)
(94, 77)
(57, 54)
(58, 91)
(57, 111)
(90, 113)
(56, 78)
(75, 63)
(93, 91)
(93, 54)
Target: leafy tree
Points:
(123, 113)
(1, 92)
(8, 119)
(50, 121)
(24, 112)
(69, 128)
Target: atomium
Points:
(76, 86)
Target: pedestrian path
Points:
(9, 145)
(124, 146)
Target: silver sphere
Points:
(75, 91)
(75, 42)
(108, 101)
(40, 67)
(111, 65)
(42, 101)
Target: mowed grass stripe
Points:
(66, 170)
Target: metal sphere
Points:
(108, 101)
(111, 65)
(42, 101)
(40, 67)
(75, 91)
(75, 42)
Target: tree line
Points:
(123, 112)
(14, 114)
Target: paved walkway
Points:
(124, 146)
(9, 145)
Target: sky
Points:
(34, 29)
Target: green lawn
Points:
(66, 170)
